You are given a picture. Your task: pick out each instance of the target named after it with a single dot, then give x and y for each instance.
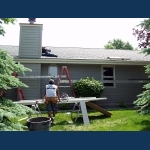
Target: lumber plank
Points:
(96, 107)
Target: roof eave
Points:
(81, 61)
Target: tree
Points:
(7, 67)
(128, 46)
(118, 44)
(9, 112)
(5, 21)
(143, 36)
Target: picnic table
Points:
(84, 101)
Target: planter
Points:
(39, 124)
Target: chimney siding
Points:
(30, 43)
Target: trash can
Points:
(39, 124)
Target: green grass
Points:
(121, 120)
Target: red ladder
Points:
(2, 92)
(64, 68)
(20, 92)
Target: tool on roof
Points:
(47, 52)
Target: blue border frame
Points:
(75, 9)
(74, 140)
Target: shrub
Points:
(88, 88)
(64, 106)
(122, 104)
(42, 107)
(10, 113)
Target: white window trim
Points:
(52, 66)
(114, 73)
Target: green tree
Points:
(9, 112)
(118, 44)
(5, 21)
(128, 46)
(143, 101)
(7, 67)
(143, 36)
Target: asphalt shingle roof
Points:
(84, 53)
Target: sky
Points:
(77, 32)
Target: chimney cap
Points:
(32, 20)
(28, 24)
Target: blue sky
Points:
(77, 32)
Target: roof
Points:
(85, 53)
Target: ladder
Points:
(65, 69)
(20, 92)
(2, 93)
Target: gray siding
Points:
(130, 72)
(36, 69)
(126, 92)
(76, 72)
(30, 41)
(12, 94)
(33, 91)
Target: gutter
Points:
(80, 61)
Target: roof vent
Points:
(118, 58)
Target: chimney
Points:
(30, 42)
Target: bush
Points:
(42, 107)
(10, 113)
(64, 106)
(122, 104)
(88, 88)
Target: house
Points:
(121, 71)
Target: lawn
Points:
(121, 120)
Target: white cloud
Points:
(77, 32)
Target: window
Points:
(52, 70)
(108, 76)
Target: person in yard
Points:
(51, 97)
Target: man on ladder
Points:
(51, 99)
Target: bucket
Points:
(39, 124)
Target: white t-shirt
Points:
(51, 90)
